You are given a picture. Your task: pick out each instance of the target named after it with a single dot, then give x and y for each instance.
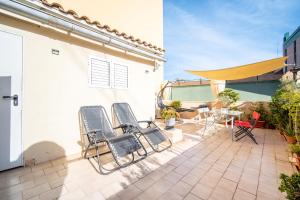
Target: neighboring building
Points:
(55, 59)
(291, 48)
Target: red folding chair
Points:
(245, 127)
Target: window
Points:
(99, 75)
(120, 76)
(107, 74)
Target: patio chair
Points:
(124, 116)
(245, 128)
(98, 130)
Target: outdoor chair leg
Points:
(98, 159)
(86, 150)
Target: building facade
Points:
(58, 56)
(291, 48)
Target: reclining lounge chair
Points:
(245, 127)
(98, 130)
(153, 135)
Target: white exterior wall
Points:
(55, 86)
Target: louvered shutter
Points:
(99, 72)
(120, 76)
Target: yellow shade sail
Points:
(243, 71)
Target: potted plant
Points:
(290, 185)
(289, 134)
(263, 116)
(295, 149)
(228, 97)
(175, 104)
(169, 115)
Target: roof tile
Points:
(99, 25)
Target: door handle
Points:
(15, 98)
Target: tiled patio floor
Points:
(210, 168)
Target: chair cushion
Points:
(246, 124)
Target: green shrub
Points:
(228, 97)
(262, 111)
(290, 185)
(288, 130)
(295, 148)
(169, 113)
(175, 104)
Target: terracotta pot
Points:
(188, 115)
(290, 139)
(260, 124)
(297, 157)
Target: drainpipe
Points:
(57, 20)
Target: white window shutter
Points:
(99, 72)
(120, 76)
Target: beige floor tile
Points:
(173, 177)
(53, 194)
(16, 188)
(211, 179)
(8, 182)
(248, 185)
(213, 167)
(191, 197)
(74, 195)
(227, 185)
(129, 193)
(202, 191)
(144, 183)
(221, 194)
(170, 196)
(181, 188)
(243, 195)
(36, 191)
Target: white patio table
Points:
(230, 116)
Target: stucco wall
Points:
(55, 86)
(140, 18)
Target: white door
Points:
(10, 101)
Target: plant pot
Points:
(170, 123)
(290, 139)
(297, 158)
(260, 124)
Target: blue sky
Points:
(215, 34)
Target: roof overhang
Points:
(51, 17)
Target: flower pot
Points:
(170, 123)
(260, 124)
(290, 139)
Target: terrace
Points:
(210, 167)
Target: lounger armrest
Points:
(149, 122)
(124, 126)
(146, 121)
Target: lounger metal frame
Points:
(93, 142)
(137, 130)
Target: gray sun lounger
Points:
(124, 116)
(98, 129)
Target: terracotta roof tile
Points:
(99, 25)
